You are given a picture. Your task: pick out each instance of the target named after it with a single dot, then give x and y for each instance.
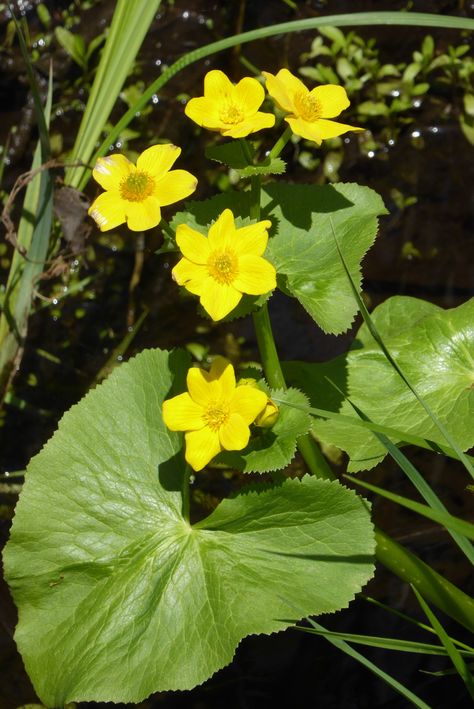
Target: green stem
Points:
(280, 144)
(165, 227)
(185, 493)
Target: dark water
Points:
(430, 159)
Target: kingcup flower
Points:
(230, 109)
(309, 111)
(135, 194)
(228, 262)
(215, 412)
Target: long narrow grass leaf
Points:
(33, 239)
(415, 478)
(402, 436)
(35, 92)
(396, 644)
(444, 518)
(129, 26)
(388, 679)
(455, 655)
(409, 619)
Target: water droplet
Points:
(185, 15)
(55, 301)
(155, 99)
(119, 358)
(158, 62)
(371, 154)
(415, 134)
(391, 141)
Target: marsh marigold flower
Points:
(230, 109)
(228, 262)
(215, 412)
(309, 111)
(135, 194)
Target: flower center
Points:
(307, 106)
(223, 266)
(137, 186)
(231, 114)
(216, 414)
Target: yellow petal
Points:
(283, 87)
(250, 94)
(143, 215)
(111, 170)
(190, 275)
(332, 100)
(331, 129)
(252, 239)
(250, 125)
(181, 413)
(218, 299)
(256, 275)
(222, 232)
(174, 186)
(223, 371)
(234, 434)
(199, 386)
(157, 160)
(204, 112)
(193, 245)
(248, 401)
(306, 130)
(201, 447)
(108, 210)
(218, 87)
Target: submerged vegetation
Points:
(204, 490)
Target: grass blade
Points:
(33, 239)
(129, 26)
(456, 657)
(444, 518)
(388, 679)
(396, 644)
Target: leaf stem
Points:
(165, 227)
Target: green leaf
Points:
(275, 447)
(303, 247)
(73, 44)
(273, 166)
(119, 596)
(231, 154)
(435, 349)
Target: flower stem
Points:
(185, 492)
(165, 227)
(280, 144)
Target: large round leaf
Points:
(118, 595)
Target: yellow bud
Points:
(269, 415)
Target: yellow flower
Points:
(214, 413)
(230, 109)
(226, 264)
(309, 110)
(135, 194)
